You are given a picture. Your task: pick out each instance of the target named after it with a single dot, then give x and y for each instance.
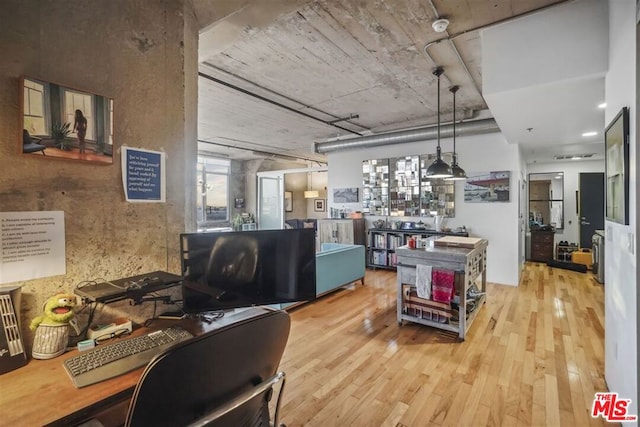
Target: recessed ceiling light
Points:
(590, 134)
(603, 105)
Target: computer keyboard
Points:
(114, 359)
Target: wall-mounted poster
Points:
(143, 175)
(345, 195)
(32, 245)
(486, 187)
(60, 122)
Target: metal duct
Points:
(474, 127)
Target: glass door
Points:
(270, 203)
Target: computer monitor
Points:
(227, 270)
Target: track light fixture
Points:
(439, 168)
(457, 172)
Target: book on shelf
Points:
(395, 241)
(379, 258)
(393, 259)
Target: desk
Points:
(41, 393)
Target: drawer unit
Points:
(541, 245)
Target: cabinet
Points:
(542, 245)
(470, 266)
(347, 231)
(382, 244)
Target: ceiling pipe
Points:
(475, 127)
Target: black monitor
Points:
(225, 270)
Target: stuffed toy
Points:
(52, 327)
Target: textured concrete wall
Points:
(143, 54)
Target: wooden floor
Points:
(533, 357)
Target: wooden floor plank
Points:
(534, 356)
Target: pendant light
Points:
(457, 172)
(439, 168)
(311, 194)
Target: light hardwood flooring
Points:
(533, 357)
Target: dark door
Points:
(591, 206)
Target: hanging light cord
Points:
(453, 90)
(437, 72)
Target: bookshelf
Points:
(382, 244)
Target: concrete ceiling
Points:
(277, 76)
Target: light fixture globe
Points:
(439, 168)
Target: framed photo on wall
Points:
(318, 205)
(61, 122)
(616, 140)
(288, 201)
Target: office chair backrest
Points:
(189, 380)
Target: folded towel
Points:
(423, 281)
(442, 285)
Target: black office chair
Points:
(222, 378)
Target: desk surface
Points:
(42, 393)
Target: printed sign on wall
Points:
(143, 175)
(32, 245)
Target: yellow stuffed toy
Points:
(52, 327)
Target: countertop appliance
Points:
(597, 242)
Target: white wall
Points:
(621, 343)
(572, 170)
(496, 222)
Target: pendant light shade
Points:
(457, 173)
(311, 193)
(439, 168)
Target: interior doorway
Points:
(590, 206)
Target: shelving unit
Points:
(563, 252)
(383, 242)
(470, 266)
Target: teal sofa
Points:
(338, 265)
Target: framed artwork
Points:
(239, 203)
(288, 201)
(318, 205)
(60, 122)
(616, 140)
(486, 187)
(345, 195)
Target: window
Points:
(212, 190)
(79, 101)
(34, 108)
(546, 196)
